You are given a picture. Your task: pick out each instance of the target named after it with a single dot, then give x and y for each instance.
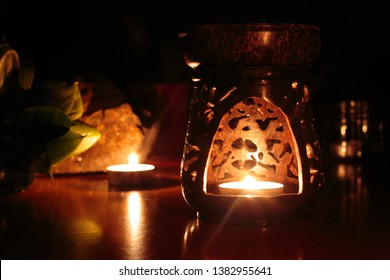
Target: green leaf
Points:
(90, 136)
(65, 97)
(40, 124)
(78, 139)
(39, 157)
(62, 147)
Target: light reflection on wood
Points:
(134, 225)
(354, 204)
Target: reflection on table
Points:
(82, 217)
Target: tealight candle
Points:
(131, 173)
(249, 186)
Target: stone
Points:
(122, 132)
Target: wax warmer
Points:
(251, 153)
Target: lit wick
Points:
(250, 186)
(131, 173)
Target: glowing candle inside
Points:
(131, 173)
(250, 186)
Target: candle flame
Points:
(250, 183)
(133, 159)
(249, 179)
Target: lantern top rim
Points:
(262, 44)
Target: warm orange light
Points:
(294, 85)
(250, 186)
(131, 173)
(133, 159)
(131, 166)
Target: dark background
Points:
(136, 42)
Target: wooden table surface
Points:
(82, 217)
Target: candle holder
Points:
(130, 175)
(250, 116)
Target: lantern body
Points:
(250, 116)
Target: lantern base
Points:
(252, 211)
